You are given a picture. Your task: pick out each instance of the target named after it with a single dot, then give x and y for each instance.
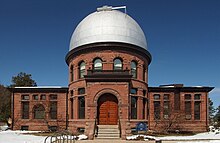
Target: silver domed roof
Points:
(108, 26)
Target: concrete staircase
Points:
(108, 132)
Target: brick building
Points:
(108, 85)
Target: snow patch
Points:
(20, 137)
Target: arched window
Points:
(117, 64)
(134, 69)
(39, 111)
(97, 65)
(82, 69)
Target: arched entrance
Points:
(107, 110)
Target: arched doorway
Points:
(107, 110)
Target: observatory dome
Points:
(108, 25)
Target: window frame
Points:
(134, 69)
(25, 110)
(81, 107)
(118, 65)
(82, 69)
(134, 107)
(96, 64)
(38, 110)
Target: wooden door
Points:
(108, 110)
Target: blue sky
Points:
(183, 37)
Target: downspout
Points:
(67, 109)
(207, 113)
(12, 126)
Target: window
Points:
(82, 69)
(71, 73)
(97, 65)
(118, 64)
(53, 110)
(144, 92)
(166, 106)
(25, 97)
(144, 108)
(134, 69)
(25, 110)
(71, 108)
(156, 96)
(24, 128)
(176, 100)
(157, 110)
(81, 91)
(133, 91)
(43, 97)
(144, 73)
(187, 96)
(133, 107)
(197, 110)
(39, 111)
(188, 110)
(53, 128)
(35, 97)
(81, 109)
(53, 97)
(197, 96)
(71, 93)
(166, 97)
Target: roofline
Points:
(117, 46)
(39, 89)
(181, 89)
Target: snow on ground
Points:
(208, 137)
(17, 137)
(20, 137)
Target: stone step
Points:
(108, 126)
(108, 132)
(107, 138)
(108, 135)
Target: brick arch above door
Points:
(104, 91)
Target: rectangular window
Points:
(197, 96)
(71, 108)
(188, 110)
(25, 97)
(176, 100)
(166, 109)
(81, 107)
(71, 93)
(197, 110)
(133, 107)
(157, 110)
(42, 97)
(35, 97)
(134, 91)
(187, 96)
(144, 93)
(53, 128)
(53, 110)
(71, 73)
(156, 96)
(24, 128)
(25, 110)
(144, 108)
(144, 73)
(81, 91)
(166, 97)
(53, 97)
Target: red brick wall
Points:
(182, 124)
(39, 124)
